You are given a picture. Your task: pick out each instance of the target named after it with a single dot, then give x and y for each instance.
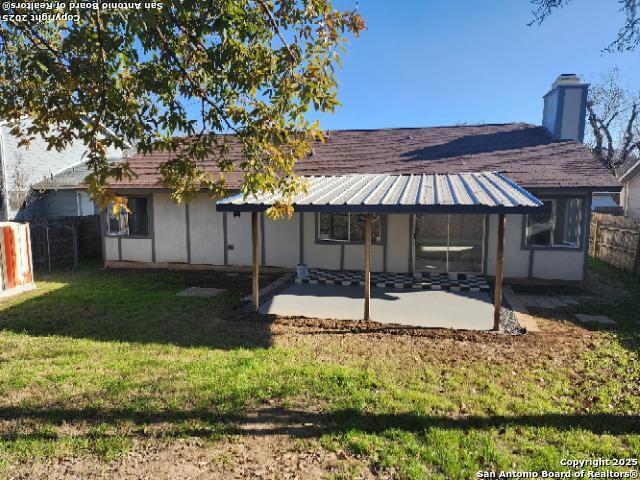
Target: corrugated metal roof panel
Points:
(481, 192)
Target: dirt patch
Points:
(595, 288)
(262, 452)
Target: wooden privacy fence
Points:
(616, 240)
(65, 241)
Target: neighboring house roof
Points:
(485, 192)
(67, 179)
(526, 153)
(629, 169)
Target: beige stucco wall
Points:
(282, 243)
(556, 264)
(398, 251)
(136, 249)
(516, 260)
(170, 220)
(206, 232)
(111, 248)
(239, 239)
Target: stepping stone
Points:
(602, 319)
(201, 292)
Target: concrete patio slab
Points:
(201, 292)
(411, 307)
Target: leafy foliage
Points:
(175, 78)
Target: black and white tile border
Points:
(425, 281)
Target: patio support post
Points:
(367, 266)
(256, 263)
(497, 301)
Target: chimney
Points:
(565, 108)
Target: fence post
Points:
(75, 244)
(596, 238)
(46, 227)
(636, 260)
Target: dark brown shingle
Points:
(525, 153)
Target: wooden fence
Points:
(616, 240)
(63, 242)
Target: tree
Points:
(19, 191)
(628, 35)
(175, 76)
(613, 113)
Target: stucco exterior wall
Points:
(398, 243)
(549, 264)
(170, 229)
(319, 255)
(206, 233)
(239, 251)
(136, 249)
(516, 260)
(111, 251)
(282, 243)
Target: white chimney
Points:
(565, 108)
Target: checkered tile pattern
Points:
(425, 281)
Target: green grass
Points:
(98, 362)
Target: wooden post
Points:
(497, 301)
(367, 266)
(636, 259)
(74, 240)
(256, 263)
(596, 239)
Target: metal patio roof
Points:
(480, 192)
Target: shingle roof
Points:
(525, 153)
(629, 169)
(67, 179)
(485, 192)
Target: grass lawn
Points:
(108, 374)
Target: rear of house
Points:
(549, 161)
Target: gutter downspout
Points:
(3, 178)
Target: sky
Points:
(443, 62)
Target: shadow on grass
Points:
(136, 306)
(304, 424)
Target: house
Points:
(547, 161)
(37, 182)
(58, 195)
(629, 177)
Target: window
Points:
(558, 225)
(347, 227)
(129, 217)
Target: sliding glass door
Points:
(449, 242)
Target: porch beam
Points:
(367, 266)
(497, 300)
(256, 263)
